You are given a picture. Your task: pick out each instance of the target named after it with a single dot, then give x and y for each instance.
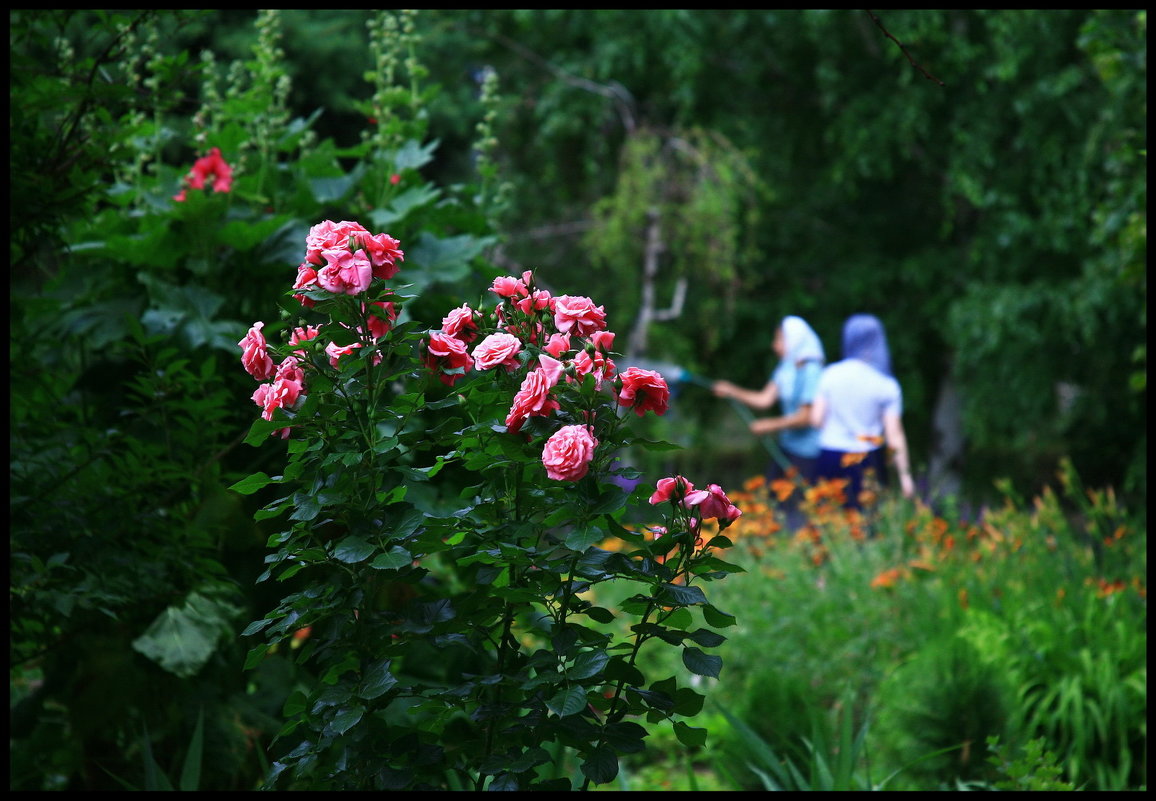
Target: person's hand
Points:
(907, 485)
(766, 425)
(722, 389)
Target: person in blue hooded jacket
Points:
(792, 385)
(858, 411)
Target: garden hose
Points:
(683, 376)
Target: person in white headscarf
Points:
(792, 385)
(858, 410)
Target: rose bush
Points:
(454, 628)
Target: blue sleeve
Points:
(809, 376)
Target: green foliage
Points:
(1028, 625)
(697, 191)
(1035, 769)
(945, 699)
(131, 564)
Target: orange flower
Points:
(755, 482)
(920, 564)
(782, 488)
(849, 459)
(827, 489)
(887, 578)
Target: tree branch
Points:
(887, 33)
(615, 91)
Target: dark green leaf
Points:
(688, 735)
(717, 618)
(601, 766)
(706, 638)
(393, 559)
(701, 664)
(352, 549)
(588, 664)
(247, 486)
(346, 718)
(377, 680)
(567, 701)
(681, 595)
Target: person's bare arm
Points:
(818, 412)
(800, 418)
(897, 442)
(757, 399)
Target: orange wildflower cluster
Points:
(1104, 588)
(932, 545)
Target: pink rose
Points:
(557, 345)
(335, 351)
(444, 353)
(497, 349)
(381, 322)
(383, 253)
(460, 323)
(675, 488)
(578, 314)
(345, 272)
(300, 335)
(599, 365)
(282, 393)
(568, 452)
(507, 286)
(644, 390)
(550, 367)
(533, 398)
(290, 369)
(255, 354)
(713, 502)
(603, 341)
(537, 300)
(328, 235)
(306, 280)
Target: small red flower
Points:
(211, 166)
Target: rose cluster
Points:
(695, 505)
(341, 258)
(558, 340)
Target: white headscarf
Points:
(802, 343)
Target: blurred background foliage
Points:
(978, 181)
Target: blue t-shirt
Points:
(797, 387)
(857, 396)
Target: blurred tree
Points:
(973, 177)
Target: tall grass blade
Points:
(191, 770)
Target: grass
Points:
(891, 649)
